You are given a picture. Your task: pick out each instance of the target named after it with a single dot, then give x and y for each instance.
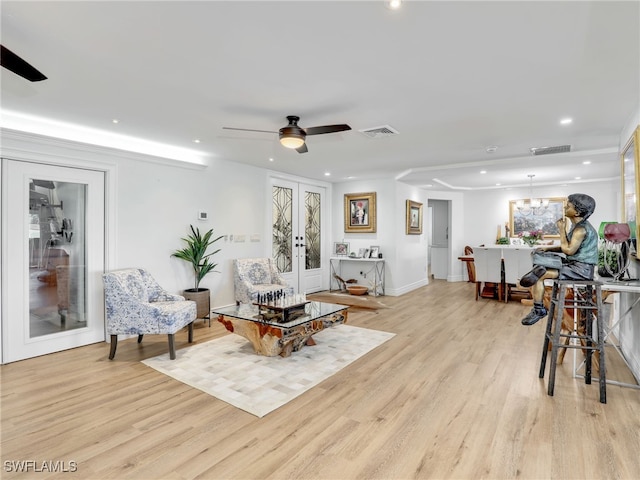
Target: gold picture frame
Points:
(414, 218)
(360, 212)
(543, 218)
(630, 166)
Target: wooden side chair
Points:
(471, 268)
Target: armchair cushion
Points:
(253, 276)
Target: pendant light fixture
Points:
(535, 206)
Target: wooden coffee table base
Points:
(270, 340)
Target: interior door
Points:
(53, 256)
(297, 234)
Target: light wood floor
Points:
(455, 394)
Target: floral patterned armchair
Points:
(253, 276)
(136, 304)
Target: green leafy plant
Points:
(196, 253)
(502, 241)
(612, 261)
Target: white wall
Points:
(154, 201)
(405, 255)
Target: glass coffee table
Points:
(272, 334)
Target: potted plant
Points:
(196, 254)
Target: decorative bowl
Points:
(357, 289)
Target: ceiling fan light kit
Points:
(292, 136)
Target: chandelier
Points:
(534, 206)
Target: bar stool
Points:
(584, 307)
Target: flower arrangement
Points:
(531, 237)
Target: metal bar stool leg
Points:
(602, 381)
(555, 341)
(547, 335)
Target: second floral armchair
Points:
(254, 276)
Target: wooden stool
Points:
(585, 307)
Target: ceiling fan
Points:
(17, 65)
(293, 136)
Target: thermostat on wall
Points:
(202, 215)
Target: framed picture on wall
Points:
(414, 218)
(525, 218)
(360, 212)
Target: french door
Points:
(297, 239)
(53, 258)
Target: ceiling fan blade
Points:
(327, 129)
(302, 149)
(17, 65)
(247, 130)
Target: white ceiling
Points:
(452, 77)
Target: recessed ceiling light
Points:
(498, 184)
(196, 140)
(327, 174)
(394, 4)
(587, 162)
(578, 178)
(492, 149)
(483, 172)
(566, 121)
(270, 159)
(350, 177)
(115, 120)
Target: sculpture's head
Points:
(583, 203)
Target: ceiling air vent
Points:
(550, 150)
(379, 132)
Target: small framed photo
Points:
(341, 248)
(362, 252)
(374, 251)
(360, 212)
(414, 218)
(516, 242)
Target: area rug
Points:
(228, 368)
(357, 301)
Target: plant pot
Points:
(202, 299)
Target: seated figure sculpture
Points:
(579, 244)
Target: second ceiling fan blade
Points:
(248, 130)
(17, 65)
(302, 148)
(327, 129)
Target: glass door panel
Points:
(57, 256)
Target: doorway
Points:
(438, 213)
(297, 240)
(53, 256)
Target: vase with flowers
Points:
(531, 237)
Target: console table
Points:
(632, 286)
(335, 267)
